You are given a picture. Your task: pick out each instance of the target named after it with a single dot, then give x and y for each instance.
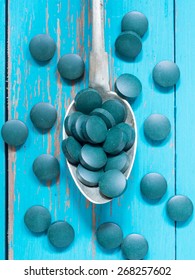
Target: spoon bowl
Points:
(93, 194)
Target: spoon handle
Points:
(98, 69)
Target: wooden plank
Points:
(185, 136)
(2, 120)
(131, 211)
(68, 22)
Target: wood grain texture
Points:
(69, 23)
(2, 120)
(185, 115)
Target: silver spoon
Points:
(99, 80)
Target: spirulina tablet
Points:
(157, 127)
(115, 141)
(61, 234)
(46, 167)
(153, 186)
(14, 133)
(129, 133)
(179, 208)
(88, 177)
(134, 247)
(42, 47)
(120, 162)
(166, 73)
(128, 44)
(116, 108)
(105, 115)
(93, 157)
(43, 115)
(71, 66)
(71, 149)
(113, 183)
(87, 100)
(109, 235)
(135, 21)
(37, 219)
(95, 129)
(128, 87)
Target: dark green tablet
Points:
(77, 128)
(61, 234)
(134, 247)
(93, 157)
(166, 73)
(14, 133)
(128, 45)
(70, 121)
(115, 141)
(157, 127)
(71, 66)
(71, 149)
(113, 183)
(105, 115)
(179, 208)
(88, 177)
(129, 133)
(37, 219)
(95, 130)
(153, 186)
(46, 167)
(87, 100)
(109, 235)
(135, 21)
(120, 162)
(43, 115)
(128, 87)
(42, 47)
(116, 108)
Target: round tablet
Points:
(113, 183)
(166, 73)
(60, 234)
(70, 121)
(92, 157)
(14, 132)
(37, 219)
(95, 129)
(179, 208)
(87, 100)
(129, 133)
(43, 115)
(71, 149)
(153, 186)
(128, 86)
(46, 167)
(105, 115)
(128, 44)
(157, 127)
(42, 47)
(134, 247)
(71, 66)
(109, 235)
(77, 128)
(116, 108)
(120, 162)
(88, 177)
(115, 141)
(135, 21)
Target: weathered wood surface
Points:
(69, 23)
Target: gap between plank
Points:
(6, 118)
(175, 114)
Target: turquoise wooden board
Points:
(69, 24)
(185, 114)
(2, 147)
